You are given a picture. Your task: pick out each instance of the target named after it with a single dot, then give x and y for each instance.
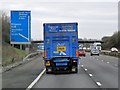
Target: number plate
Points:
(61, 48)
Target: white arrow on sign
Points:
(62, 53)
(23, 36)
(28, 31)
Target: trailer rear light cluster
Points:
(47, 63)
(45, 54)
(74, 61)
(77, 53)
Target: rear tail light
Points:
(77, 53)
(47, 63)
(74, 61)
(45, 54)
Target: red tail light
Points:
(74, 61)
(45, 54)
(77, 53)
(47, 63)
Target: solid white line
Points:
(90, 75)
(36, 80)
(85, 69)
(98, 83)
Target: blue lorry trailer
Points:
(61, 47)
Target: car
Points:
(95, 52)
(114, 49)
(88, 49)
(84, 48)
(82, 53)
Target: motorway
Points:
(104, 72)
(94, 72)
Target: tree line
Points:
(111, 41)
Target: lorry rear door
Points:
(61, 46)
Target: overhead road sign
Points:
(20, 27)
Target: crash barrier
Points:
(23, 60)
(32, 55)
(106, 52)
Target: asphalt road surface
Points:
(23, 75)
(80, 80)
(103, 68)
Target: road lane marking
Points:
(82, 65)
(36, 80)
(108, 62)
(98, 83)
(90, 75)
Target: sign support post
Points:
(20, 46)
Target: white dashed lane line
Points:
(92, 77)
(108, 62)
(82, 65)
(98, 83)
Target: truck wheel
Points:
(47, 72)
(76, 70)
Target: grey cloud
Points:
(95, 19)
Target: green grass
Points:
(19, 52)
(11, 54)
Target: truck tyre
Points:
(48, 72)
(76, 70)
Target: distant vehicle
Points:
(84, 48)
(114, 49)
(88, 49)
(95, 52)
(61, 47)
(96, 45)
(82, 52)
(41, 47)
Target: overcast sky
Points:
(95, 18)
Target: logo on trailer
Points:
(61, 48)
